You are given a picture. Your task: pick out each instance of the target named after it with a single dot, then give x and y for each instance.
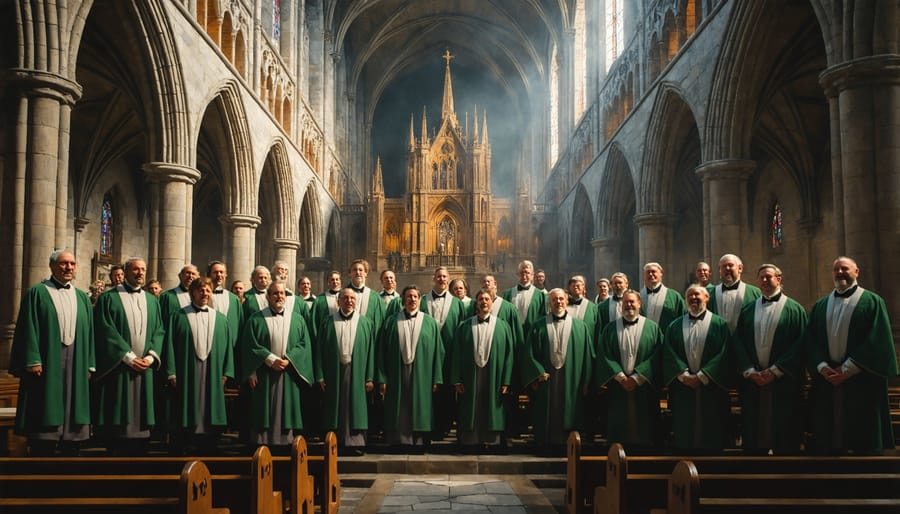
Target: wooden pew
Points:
(780, 492)
(50, 492)
(643, 479)
(291, 475)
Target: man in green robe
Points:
(325, 304)
(459, 288)
(173, 300)
(304, 293)
(557, 364)
(410, 370)
(256, 298)
(199, 360)
(481, 372)
(659, 303)
(389, 294)
(447, 310)
(224, 300)
(732, 295)
(696, 370)
(368, 303)
(851, 358)
(610, 310)
(276, 363)
(346, 372)
(529, 302)
(579, 307)
(517, 419)
(628, 362)
(768, 348)
(129, 337)
(53, 356)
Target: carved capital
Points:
(726, 169)
(162, 172)
(45, 84)
(652, 218)
(283, 242)
(240, 220)
(863, 72)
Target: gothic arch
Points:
(616, 207)
(311, 225)
(672, 122)
(582, 230)
(277, 206)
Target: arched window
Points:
(107, 227)
(276, 21)
(580, 49)
(775, 226)
(615, 30)
(554, 107)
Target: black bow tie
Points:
(846, 294)
(615, 298)
(346, 316)
(60, 285)
(772, 299)
(484, 320)
(278, 313)
(218, 291)
(520, 287)
(385, 293)
(182, 288)
(130, 290)
(629, 323)
(257, 291)
(410, 316)
(559, 318)
(697, 318)
(358, 290)
(310, 299)
(436, 296)
(732, 287)
(654, 291)
(575, 302)
(200, 309)
(333, 293)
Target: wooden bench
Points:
(291, 475)
(643, 479)
(188, 493)
(690, 492)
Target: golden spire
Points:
(377, 183)
(484, 131)
(447, 109)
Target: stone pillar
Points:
(286, 250)
(865, 93)
(240, 244)
(175, 185)
(606, 257)
(724, 205)
(654, 235)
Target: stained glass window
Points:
(276, 20)
(107, 224)
(615, 30)
(776, 226)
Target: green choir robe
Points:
(779, 405)
(37, 340)
(451, 322)
(112, 343)
(319, 312)
(537, 309)
(507, 312)
(866, 421)
(180, 363)
(673, 306)
(300, 372)
(633, 416)
(500, 368)
(703, 429)
(603, 317)
(375, 308)
(427, 371)
(169, 304)
(577, 371)
(362, 370)
(235, 316)
(751, 293)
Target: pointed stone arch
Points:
(277, 205)
(311, 224)
(582, 231)
(615, 248)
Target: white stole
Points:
(66, 305)
(438, 308)
(261, 300)
(221, 301)
(203, 327)
(729, 303)
(362, 301)
(482, 338)
(135, 306)
(522, 300)
(615, 309)
(331, 301)
(653, 303)
(408, 331)
(279, 330)
(558, 333)
(345, 330)
(694, 333)
(184, 297)
(578, 311)
(837, 323)
(629, 342)
(765, 321)
(495, 307)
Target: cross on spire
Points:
(447, 57)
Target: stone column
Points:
(240, 244)
(654, 235)
(286, 250)
(724, 205)
(606, 257)
(865, 93)
(175, 184)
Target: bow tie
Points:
(60, 285)
(310, 299)
(385, 293)
(559, 318)
(615, 298)
(772, 299)
(346, 317)
(732, 287)
(520, 287)
(218, 291)
(278, 313)
(333, 293)
(130, 290)
(654, 291)
(200, 309)
(697, 318)
(846, 294)
(436, 296)
(629, 323)
(410, 316)
(573, 301)
(358, 290)
(484, 320)
(182, 288)
(257, 291)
